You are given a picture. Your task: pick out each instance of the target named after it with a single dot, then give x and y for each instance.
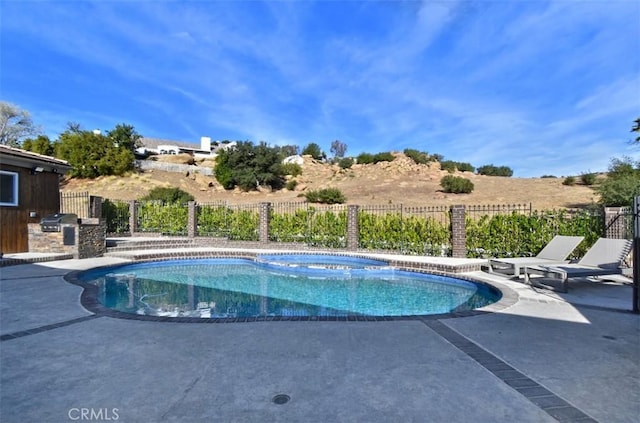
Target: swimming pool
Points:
(281, 286)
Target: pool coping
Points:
(89, 296)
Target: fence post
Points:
(263, 230)
(353, 240)
(133, 217)
(95, 206)
(614, 226)
(636, 255)
(458, 231)
(192, 220)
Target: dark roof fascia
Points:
(26, 159)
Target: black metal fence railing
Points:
(477, 211)
(75, 202)
(487, 230)
(116, 214)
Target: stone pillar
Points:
(263, 230)
(353, 238)
(95, 207)
(192, 220)
(133, 217)
(615, 222)
(458, 232)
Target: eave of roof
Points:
(22, 158)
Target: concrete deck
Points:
(547, 357)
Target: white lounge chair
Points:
(605, 257)
(555, 252)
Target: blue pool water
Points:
(313, 286)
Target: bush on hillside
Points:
(291, 185)
(420, 157)
(491, 170)
(345, 163)
(456, 184)
(588, 178)
(569, 181)
(367, 158)
(622, 183)
(326, 196)
(383, 157)
(314, 151)
(293, 169)
(451, 166)
(168, 195)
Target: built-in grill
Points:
(54, 222)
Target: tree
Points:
(125, 136)
(289, 150)
(314, 151)
(636, 128)
(15, 125)
(41, 145)
(338, 148)
(622, 183)
(247, 166)
(92, 155)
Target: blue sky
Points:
(544, 87)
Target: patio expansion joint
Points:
(546, 400)
(45, 328)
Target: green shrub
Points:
(364, 158)
(569, 181)
(622, 183)
(291, 184)
(548, 176)
(588, 178)
(420, 157)
(456, 184)
(491, 170)
(448, 165)
(326, 196)
(168, 195)
(345, 163)
(451, 166)
(367, 158)
(292, 169)
(314, 151)
(383, 157)
(619, 191)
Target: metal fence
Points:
(477, 211)
(240, 222)
(76, 202)
(619, 224)
(315, 225)
(409, 230)
(490, 230)
(116, 214)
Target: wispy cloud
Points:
(485, 82)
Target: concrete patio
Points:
(547, 357)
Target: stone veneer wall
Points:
(89, 239)
(92, 238)
(51, 242)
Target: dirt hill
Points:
(398, 182)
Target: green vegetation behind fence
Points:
(426, 232)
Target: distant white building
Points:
(297, 159)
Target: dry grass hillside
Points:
(398, 182)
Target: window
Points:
(8, 188)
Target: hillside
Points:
(398, 182)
